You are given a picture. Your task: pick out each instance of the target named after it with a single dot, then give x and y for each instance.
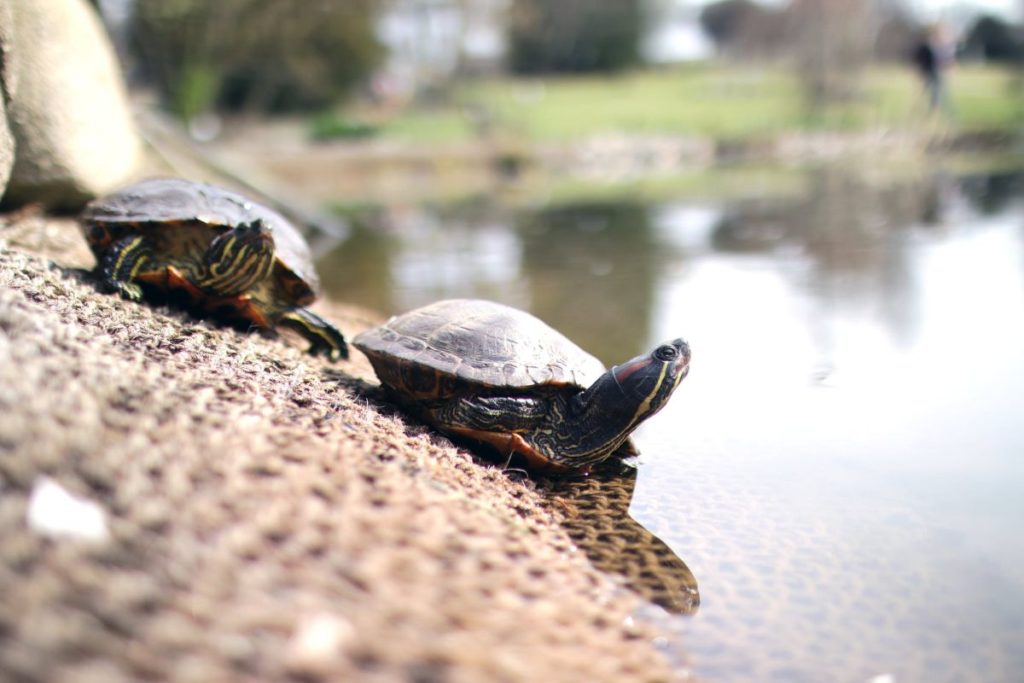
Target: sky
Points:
(934, 9)
(1010, 9)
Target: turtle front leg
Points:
(324, 338)
(237, 259)
(122, 263)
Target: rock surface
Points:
(69, 114)
(267, 518)
(6, 139)
(6, 148)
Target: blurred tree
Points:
(896, 36)
(722, 21)
(742, 27)
(1019, 80)
(262, 55)
(574, 35)
(832, 42)
(995, 40)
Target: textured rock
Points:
(268, 519)
(73, 131)
(6, 139)
(6, 148)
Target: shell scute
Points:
(469, 346)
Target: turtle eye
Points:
(666, 352)
(98, 234)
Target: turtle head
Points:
(619, 400)
(646, 382)
(237, 259)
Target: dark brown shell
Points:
(165, 203)
(478, 344)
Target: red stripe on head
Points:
(628, 368)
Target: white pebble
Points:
(53, 511)
(317, 641)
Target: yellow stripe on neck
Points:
(646, 404)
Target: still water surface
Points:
(842, 470)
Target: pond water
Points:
(842, 470)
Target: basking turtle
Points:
(229, 255)
(497, 375)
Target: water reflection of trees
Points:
(358, 269)
(592, 269)
(990, 193)
(588, 269)
(855, 234)
(399, 257)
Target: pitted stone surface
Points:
(267, 520)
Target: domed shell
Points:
(165, 203)
(481, 344)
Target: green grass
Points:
(429, 126)
(330, 126)
(701, 102)
(711, 100)
(987, 99)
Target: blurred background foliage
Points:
(548, 36)
(254, 55)
(432, 65)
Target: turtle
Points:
(229, 255)
(499, 376)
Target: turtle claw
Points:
(331, 353)
(324, 338)
(120, 265)
(129, 290)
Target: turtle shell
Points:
(464, 345)
(167, 203)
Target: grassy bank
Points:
(711, 101)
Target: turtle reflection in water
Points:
(498, 376)
(225, 253)
(595, 513)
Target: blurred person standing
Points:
(932, 56)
